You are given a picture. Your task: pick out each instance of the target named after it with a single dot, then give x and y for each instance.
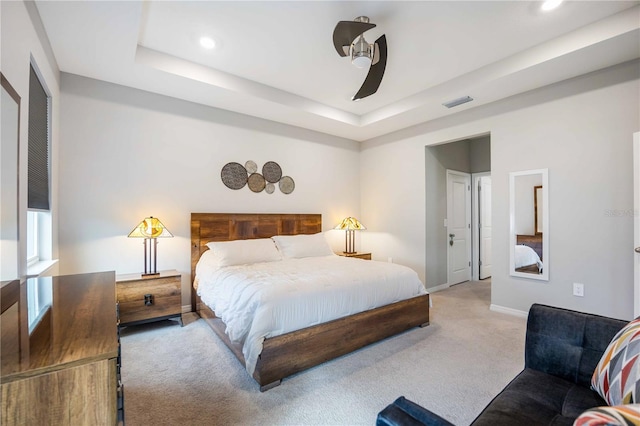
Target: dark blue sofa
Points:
(562, 349)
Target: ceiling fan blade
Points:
(346, 32)
(376, 71)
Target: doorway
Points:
(472, 157)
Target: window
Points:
(39, 248)
(38, 159)
(32, 238)
(39, 233)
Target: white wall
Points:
(581, 130)
(127, 154)
(9, 243)
(23, 38)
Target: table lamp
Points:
(350, 224)
(150, 229)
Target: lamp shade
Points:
(350, 224)
(150, 227)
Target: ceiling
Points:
(276, 60)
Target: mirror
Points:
(9, 145)
(529, 220)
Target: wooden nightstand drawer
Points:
(149, 298)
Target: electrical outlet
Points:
(578, 289)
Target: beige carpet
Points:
(185, 376)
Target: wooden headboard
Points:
(206, 227)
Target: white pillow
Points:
(207, 260)
(240, 252)
(296, 246)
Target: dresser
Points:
(61, 351)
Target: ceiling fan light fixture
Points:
(361, 53)
(361, 61)
(348, 40)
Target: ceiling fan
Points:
(348, 39)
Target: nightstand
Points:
(365, 256)
(149, 298)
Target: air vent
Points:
(459, 101)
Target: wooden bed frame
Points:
(290, 353)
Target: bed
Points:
(526, 259)
(289, 353)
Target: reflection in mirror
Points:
(39, 300)
(529, 231)
(537, 207)
(9, 143)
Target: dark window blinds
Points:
(38, 160)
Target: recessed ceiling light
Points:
(550, 5)
(207, 42)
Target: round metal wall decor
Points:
(287, 185)
(251, 166)
(234, 175)
(269, 188)
(272, 171)
(256, 182)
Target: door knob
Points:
(637, 249)
(451, 239)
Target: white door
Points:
(636, 223)
(484, 197)
(458, 227)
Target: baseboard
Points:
(508, 311)
(438, 288)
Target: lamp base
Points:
(150, 274)
(349, 252)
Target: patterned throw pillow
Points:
(606, 416)
(617, 375)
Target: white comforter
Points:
(525, 256)
(269, 299)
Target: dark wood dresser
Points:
(61, 362)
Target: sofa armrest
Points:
(403, 412)
(565, 343)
